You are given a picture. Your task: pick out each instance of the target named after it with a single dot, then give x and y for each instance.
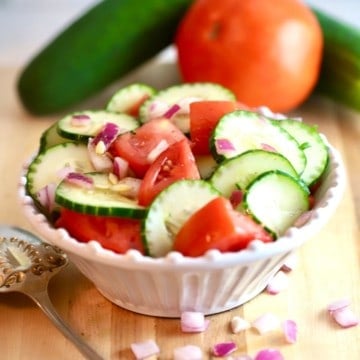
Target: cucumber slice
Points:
(169, 211)
(177, 93)
(50, 137)
(313, 146)
(45, 167)
(276, 199)
(245, 130)
(104, 198)
(240, 170)
(130, 97)
(97, 119)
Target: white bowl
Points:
(170, 285)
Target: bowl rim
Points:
(293, 238)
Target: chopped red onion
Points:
(157, 150)
(120, 167)
(239, 324)
(80, 120)
(265, 323)
(193, 321)
(268, 147)
(188, 352)
(157, 109)
(128, 187)
(46, 196)
(224, 349)
(290, 331)
(145, 349)
(171, 111)
(236, 197)
(340, 311)
(264, 110)
(345, 317)
(277, 283)
(269, 354)
(63, 172)
(224, 146)
(42, 196)
(80, 180)
(106, 136)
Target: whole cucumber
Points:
(340, 69)
(112, 38)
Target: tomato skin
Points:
(113, 233)
(268, 52)
(225, 230)
(175, 163)
(204, 115)
(136, 146)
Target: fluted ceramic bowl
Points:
(170, 285)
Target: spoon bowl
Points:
(26, 265)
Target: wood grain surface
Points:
(327, 269)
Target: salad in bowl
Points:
(180, 199)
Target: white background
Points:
(26, 25)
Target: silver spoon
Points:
(26, 265)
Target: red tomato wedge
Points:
(136, 146)
(204, 115)
(218, 226)
(113, 233)
(175, 163)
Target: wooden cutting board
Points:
(327, 269)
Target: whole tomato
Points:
(267, 51)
